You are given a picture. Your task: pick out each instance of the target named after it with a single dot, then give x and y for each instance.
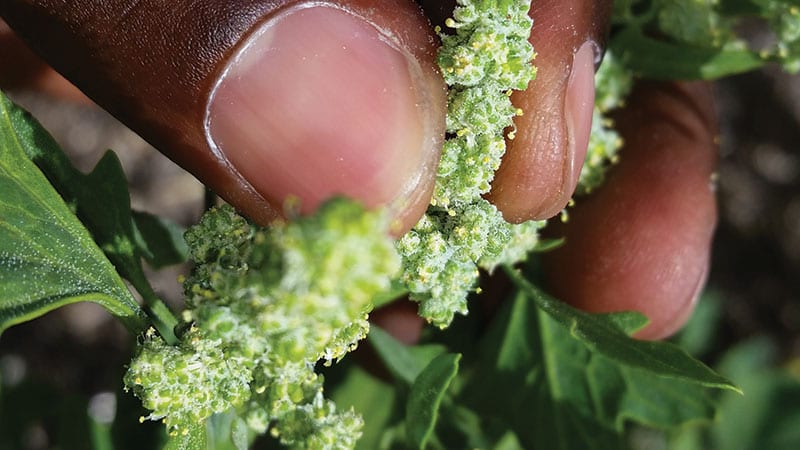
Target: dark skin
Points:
(358, 84)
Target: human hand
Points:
(364, 118)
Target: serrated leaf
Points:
(553, 391)
(426, 396)
(605, 336)
(47, 258)
(160, 240)
(100, 197)
(193, 438)
(660, 60)
(102, 203)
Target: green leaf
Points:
(426, 396)
(372, 398)
(159, 240)
(47, 258)
(662, 60)
(193, 438)
(102, 203)
(227, 431)
(554, 391)
(405, 363)
(608, 337)
(767, 416)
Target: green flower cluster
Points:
(784, 19)
(487, 57)
(265, 305)
(161, 375)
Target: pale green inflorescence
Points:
(265, 305)
(483, 61)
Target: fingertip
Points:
(321, 102)
(642, 241)
(540, 170)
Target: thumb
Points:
(262, 100)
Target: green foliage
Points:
(582, 398)
(47, 258)
(531, 381)
(101, 201)
(607, 334)
(404, 363)
(697, 39)
(426, 397)
(160, 241)
(375, 399)
(768, 416)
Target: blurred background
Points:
(747, 324)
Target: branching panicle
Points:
(265, 306)
(488, 56)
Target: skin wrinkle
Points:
(642, 240)
(539, 170)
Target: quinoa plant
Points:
(268, 310)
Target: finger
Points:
(541, 166)
(21, 69)
(263, 100)
(642, 241)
